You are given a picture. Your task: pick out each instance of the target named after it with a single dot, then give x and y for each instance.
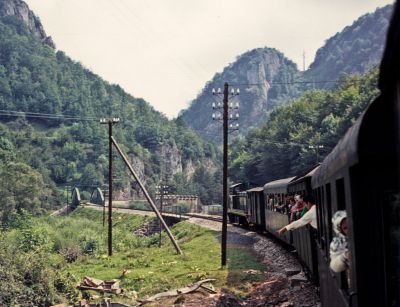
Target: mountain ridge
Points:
(254, 73)
(353, 50)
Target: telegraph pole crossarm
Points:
(317, 148)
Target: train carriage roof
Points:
(278, 186)
(308, 174)
(257, 189)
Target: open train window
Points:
(341, 205)
(329, 211)
(320, 203)
(341, 198)
(320, 218)
(270, 203)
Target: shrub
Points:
(34, 237)
(26, 279)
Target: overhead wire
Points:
(45, 115)
(296, 82)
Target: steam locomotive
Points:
(361, 176)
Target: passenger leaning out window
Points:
(339, 251)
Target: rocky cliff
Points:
(21, 10)
(171, 163)
(262, 75)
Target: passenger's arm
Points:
(306, 219)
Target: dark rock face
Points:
(21, 10)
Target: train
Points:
(361, 176)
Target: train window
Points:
(329, 211)
(327, 218)
(340, 205)
(341, 199)
(270, 201)
(320, 215)
(320, 203)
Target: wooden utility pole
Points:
(225, 118)
(317, 148)
(110, 188)
(110, 122)
(161, 207)
(147, 195)
(112, 142)
(225, 177)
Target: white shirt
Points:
(309, 218)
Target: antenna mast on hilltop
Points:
(304, 61)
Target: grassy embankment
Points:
(75, 247)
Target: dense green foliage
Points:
(42, 259)
(356, 49)
(36, 253)
(22, 188)
(279, 148)
(61, 142)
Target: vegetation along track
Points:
(278, 288)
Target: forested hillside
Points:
(58, 140)
(280, 148)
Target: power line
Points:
(45, 115)
(294, 144)
(299, 82)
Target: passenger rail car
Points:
(237, 211)
(255, 207)
(303, 239)
(362, 176)
(276, 192)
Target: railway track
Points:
(151, 213)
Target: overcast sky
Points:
(166, 50)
